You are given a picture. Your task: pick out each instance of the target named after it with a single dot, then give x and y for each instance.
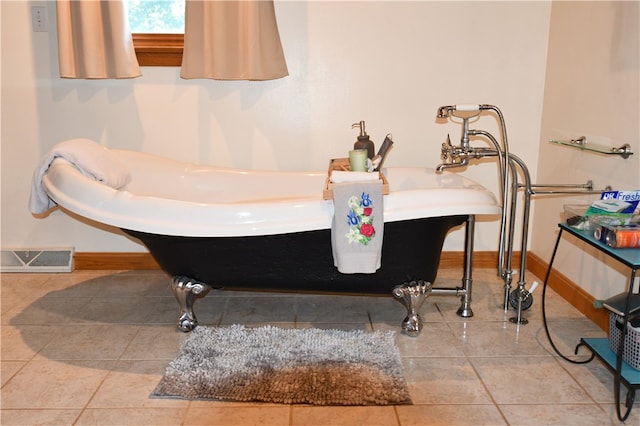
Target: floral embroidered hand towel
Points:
(358, 227)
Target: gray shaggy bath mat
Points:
(291, 366)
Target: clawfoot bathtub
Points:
(211, 227)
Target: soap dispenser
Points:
(363, 141)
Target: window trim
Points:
(158, 50)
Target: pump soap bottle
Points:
(363, 141)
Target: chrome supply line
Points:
(585, 188)
(511, 166)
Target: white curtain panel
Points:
(94, 40)
(232, 40)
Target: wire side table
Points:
(624, 374)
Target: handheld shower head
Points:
(464, 112)
(461, 110)
(445, 111)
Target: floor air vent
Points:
(37, 260)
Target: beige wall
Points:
(389, 63)
(592, 88)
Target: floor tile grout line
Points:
(450, 323)
(563, 364)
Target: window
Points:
(156, 16)
(158, 31)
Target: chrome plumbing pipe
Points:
(464, 292)
(588, 185)
(584, 188)
(459, 156)
(505, 166)
(525, 219)
(450, 153)
(506, 233)
(506, 271)
(599, 191)
(510, 165)
(486, 152)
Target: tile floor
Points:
(88, 348)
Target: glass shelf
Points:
(581, 143)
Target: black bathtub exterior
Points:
(302, 261)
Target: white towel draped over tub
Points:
(358, 227)
(91, 158)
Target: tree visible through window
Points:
(158, 31)
(156, 16)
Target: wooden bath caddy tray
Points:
(343, 165)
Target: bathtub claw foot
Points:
(187, 291)
(412, 295)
